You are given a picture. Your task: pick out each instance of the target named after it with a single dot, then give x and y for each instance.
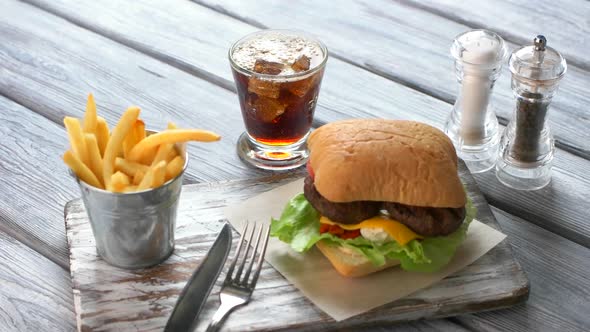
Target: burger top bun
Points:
(398, 161)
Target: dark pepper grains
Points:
(531, 110)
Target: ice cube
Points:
(264, 88)
(268, 67)
(267, 109)
(301, 64)
(301, 87)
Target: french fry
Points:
(76, 138)
(126, 159)
(115, 142)
(94, 158)
(165, 150)
(119, 182)
(148, 156)
(139, 130)
(136, 134)
(171, 136)
(149, 179)
(129, 167)
(171, 155)
(90, 119)
(102, 134)
(174, 167)
(82, 171)
(130, 189)
(128, 143)
(159, 174)
(138, 177)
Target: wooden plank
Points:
(566, 26)
(560, 289)
(35, 294)
(411, 46)
(175, 32)
(144, 298)
(35, 73)
(35, 185)
(561, 207)
(53, 77)
(347, 91)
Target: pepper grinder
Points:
(472, 124)
(527, 146)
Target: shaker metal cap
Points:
(537, 62)
(479, 47)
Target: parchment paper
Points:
(338, 296)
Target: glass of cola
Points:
(278, 74)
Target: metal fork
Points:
(237, 290)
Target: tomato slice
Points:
(351, 234)
(339, 231)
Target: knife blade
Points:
(197, 289)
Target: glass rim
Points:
(306, 73)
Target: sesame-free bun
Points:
(349, 263)
(399, 161)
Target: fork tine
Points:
(260, 259)
(235, 258)
(241, 268)
(253, 257)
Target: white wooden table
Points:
(388, 59)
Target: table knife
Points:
(197, 289)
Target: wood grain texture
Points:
(53, 77)
(347, 91)
(387, 97)
(566, 26)
(35, 294)
(35, 184)
(560, 289)
(112, 299)
(41, 71)
(175, 38)
(561, 207)
(410, 46)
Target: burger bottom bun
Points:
(349, 263)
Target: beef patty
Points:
(427, 221)
(344, 213)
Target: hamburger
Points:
(379, 193)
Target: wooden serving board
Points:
(111, 299)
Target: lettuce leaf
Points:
(299, 226)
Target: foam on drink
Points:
(279, 48)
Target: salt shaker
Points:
(472, 124)
(527, 147)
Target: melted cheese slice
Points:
(398, 231)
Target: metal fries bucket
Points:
(136, 229)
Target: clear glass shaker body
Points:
(527, 146)
(472, 124)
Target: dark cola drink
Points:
(278, 76)
(278, 113)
